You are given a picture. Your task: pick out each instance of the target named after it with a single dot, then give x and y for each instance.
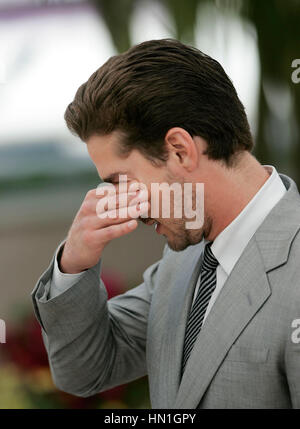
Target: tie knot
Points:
(209, 260)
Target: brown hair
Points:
(157, 85)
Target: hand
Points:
(89, 233)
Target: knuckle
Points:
(124, 226)
(90, 193)
(109, 234)
(86, 223)
(85, 207)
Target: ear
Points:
(182, 148)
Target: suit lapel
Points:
(180, 301)
(244, 292)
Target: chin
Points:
(178, 245)
(183, 239)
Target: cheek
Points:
(157, 204)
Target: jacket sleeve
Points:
(94, 344)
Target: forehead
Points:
(103, 149)
(104, 153)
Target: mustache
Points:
(146, 220)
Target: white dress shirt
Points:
(227, 246)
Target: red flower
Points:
(114, 283)
(24, 345)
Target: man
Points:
(215, 324)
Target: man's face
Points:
(103, 151)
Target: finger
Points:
(120, 201)
(110, 189)
(105, 235)
(124, 213)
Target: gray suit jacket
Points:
(244, 357)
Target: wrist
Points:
(64, 264)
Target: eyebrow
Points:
(112, 177)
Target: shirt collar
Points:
(230, 243)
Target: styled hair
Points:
(157, 85)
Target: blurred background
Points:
(47, 49)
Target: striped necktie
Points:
(208, 282)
